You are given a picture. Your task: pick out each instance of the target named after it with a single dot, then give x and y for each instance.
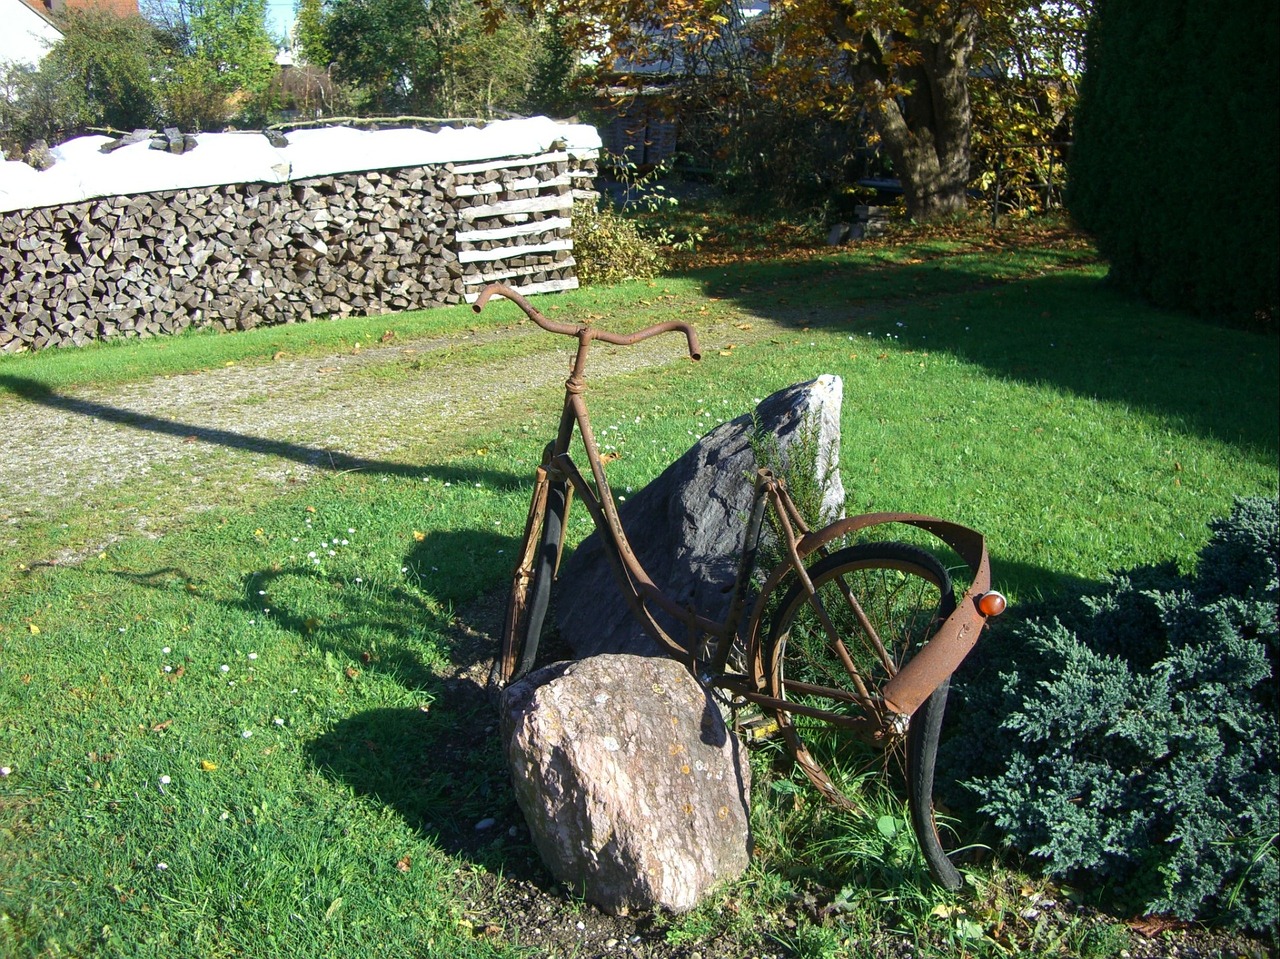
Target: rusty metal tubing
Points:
(634, 584)
(613, 522)
(586, 333)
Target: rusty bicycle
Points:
(857, 639)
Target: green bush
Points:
(1177, 139)
(609, 247)
(1131, 733)
(99, 74)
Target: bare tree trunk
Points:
(926, 127)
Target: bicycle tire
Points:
(905, 593)
(530, 596)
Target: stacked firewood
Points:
(237, 256)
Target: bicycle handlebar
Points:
(589, 332)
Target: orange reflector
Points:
(992, 603)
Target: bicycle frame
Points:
(884, 717)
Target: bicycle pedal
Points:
(758, 728)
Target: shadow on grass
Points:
(1032, 583)
(442, 770)
(437, 763)
(1065, 330)
(319, 458)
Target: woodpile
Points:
(241, 255)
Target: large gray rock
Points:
(635, 792)
(687, 527)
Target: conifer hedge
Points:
(1177, 147)
(1128, 736)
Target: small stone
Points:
(486, 824)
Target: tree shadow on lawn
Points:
(318, 458)
(439, 766)
(1064, 330)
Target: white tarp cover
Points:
(83, 172)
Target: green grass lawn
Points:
(239, 738)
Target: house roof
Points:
(740, 14)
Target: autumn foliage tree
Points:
(905, 67)
(899, 76)
(1024, 89)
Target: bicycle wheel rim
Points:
(904, 593)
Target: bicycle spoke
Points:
(836, 645)
(831, 652)
(868, 630)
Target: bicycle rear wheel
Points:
(531, 586)
(874, 606)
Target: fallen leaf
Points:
(419, 535)
(310, 509)
(388, 336)
(743, 326)
(278, 355)
(327, 369)
(1152, 926)
(161, 727)
(207, 767)
(35, 630)
(404, 863)
(352, 672)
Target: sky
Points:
(279, 17)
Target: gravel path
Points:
(266, 425)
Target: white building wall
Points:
(25, 36)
